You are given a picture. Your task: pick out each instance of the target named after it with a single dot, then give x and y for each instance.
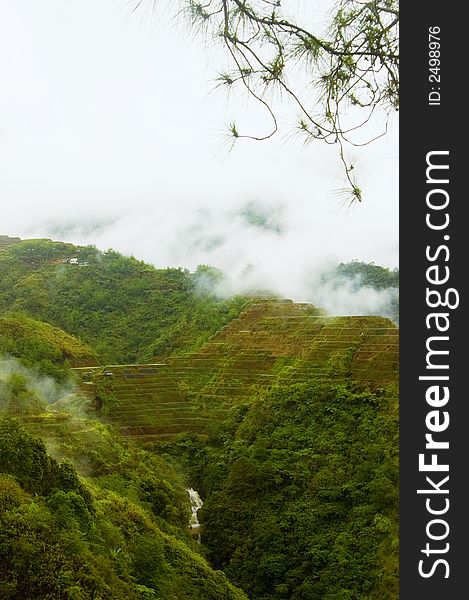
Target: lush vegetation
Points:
(41, 346)
(299, 481)
(121, 533)
(301, 493)
(127, 310)
(83, 515)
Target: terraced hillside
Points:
(271, 342)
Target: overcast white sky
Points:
(109, 134)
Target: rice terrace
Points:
(271, 342)
(241, 447)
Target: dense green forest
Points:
(299, 481)
(127, 310)
(301, 492)
(118, 533)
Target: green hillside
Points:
(297, 460)
(272, 342)
(127, 310)
(118, 533)
(284, 419)
(301, 493)
(40, 345)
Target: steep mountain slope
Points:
(272, 342)
(301, 492)
(282, 417)
(40, 346)
(119, 534)
(127, 310)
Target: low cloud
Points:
(31, 388)
(259, 246)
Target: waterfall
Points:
(196, 503)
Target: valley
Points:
(128, 398)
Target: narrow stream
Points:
(196, 503)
